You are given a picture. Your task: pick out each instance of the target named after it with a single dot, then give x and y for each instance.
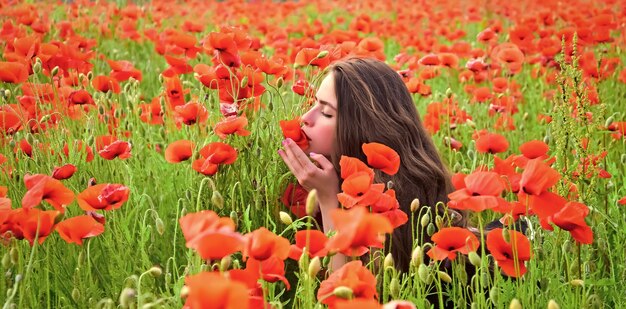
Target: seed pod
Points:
(415, 205)
(285, 218)
(474, 259)
(314, 267)
(343, 292)
(311, 202)
(515, 304)
(553, 305)
(394, 288)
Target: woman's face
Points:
(320, 121)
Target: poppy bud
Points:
(14, 255)
(474, 259)
(285, 218)
(394, 288)
(6, 260)
(225, 263)
(7, 93)
(217, 200)
(609, 121)
(443, 276)
(388, 261)
(430, 230)
(127, 297)
(89, 75)
(343, 292)
(322, 54)
(234, 217)
(54, 71)
(303, 262)
(470, 123)
(505, 235)
(623, 158)
(493, 295)
(424, 273)
(577, 282)
(449, 93)
(417, 257)
(425, 220)
(314, 267)
(184, 292)
(244, 82)
(311, 202)
(389, 184)
(415, 204)
(37, 66)
(470, 154)
(515, 304)
(525, 116)
(76, 294)
(279, 82)
(553, 305)
(484, 278)
(44, 118)
(439, 222)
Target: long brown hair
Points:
(374, 105)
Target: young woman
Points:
(362, 101)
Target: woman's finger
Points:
(288, 162)
(323, 162)
(294, 151)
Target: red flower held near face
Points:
(510, 256)
(352, 275)
(450, 240)
(382, 157)
(293, 130)
(74, 230)
(104, 196)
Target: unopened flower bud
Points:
(7, 93)
(577, 282)
(394, 287)
(311, 202)
(430, 230)
(609, 121)
(388, 261)
(76, 294)
(389, 184)
(234, 217)
(470, 123)
(244, 82)
(184, 292)
(314, 267)
(439, 222)
(343, 292)
(515, 304)
(279, 82)
(417, 256)
(425, 220)
(474, 259)
(54, 71)
(493, 295)
(415, 205)
(553, 305)
(127, 297)
(14, 255)
(424, 273)
(322, 54)
(285, 218)
(443, 276)
(449, 93)
(160, 226)
(37, 66)
(225, 263)
(506, 235)
(6, 260)
(155, 271)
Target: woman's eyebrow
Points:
(325, 103)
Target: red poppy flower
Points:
(572, 219)
(350, 165)
(294, 198)
(211, 236)
(506, 168)
(191, 113)
(211, 290)
(482, 191)
(310, 56)
(270, 270)
(450, 240)
(510, 256)
(357, 229)
(104, 83)
(74, 230)
(302, 87)
(9, 121)
(261, 244)
(360, 303)
(352, 275)
(33, 223)
(213, 155)
(314, 240)
(174, 92)
(292, 129)
(116, 149)
(80, 97)
(622, 201)
(271, 66)
(358, 189)
(232, 125)
(179, 151)
(103, 197)
(43, 187)
(388, 206)
(491, 143)
(382, 157)
(64, 172)
(122, 70)
(13, 72)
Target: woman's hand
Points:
(323, 178)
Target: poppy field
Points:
(139, 164)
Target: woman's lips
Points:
(305, 135)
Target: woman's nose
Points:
(307, 118)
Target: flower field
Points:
(139, 164)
